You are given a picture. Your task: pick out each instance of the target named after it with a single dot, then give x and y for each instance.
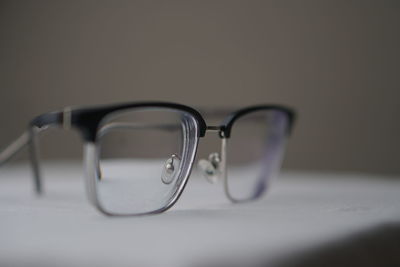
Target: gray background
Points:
(336, 62)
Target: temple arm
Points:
(28, 138)
(42, 122)
(9, 152)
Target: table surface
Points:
(301, 213)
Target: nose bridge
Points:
(213, 128)
(216, 129)
(213, 167)
(221, 134)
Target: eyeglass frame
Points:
(87, 121)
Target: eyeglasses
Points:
(139, 156)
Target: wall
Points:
(336, 62)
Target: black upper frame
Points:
(87, 120)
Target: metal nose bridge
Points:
(213, 128)
(213, 168)
(217, 129)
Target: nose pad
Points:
(210, 167)
(170, 169)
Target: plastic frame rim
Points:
(87, 120)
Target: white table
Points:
(302, 213)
